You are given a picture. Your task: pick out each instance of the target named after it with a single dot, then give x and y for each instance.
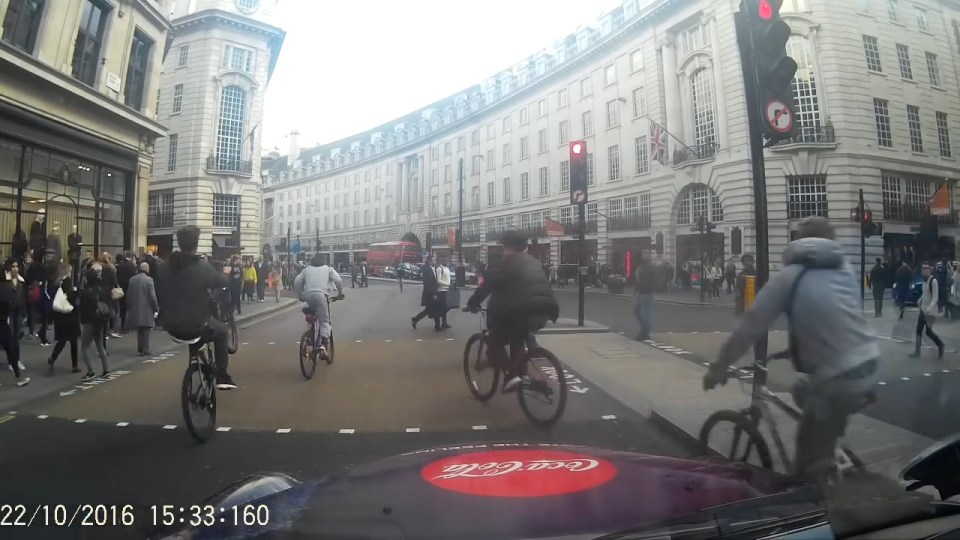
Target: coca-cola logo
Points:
(519, 473)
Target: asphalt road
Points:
(391, 389)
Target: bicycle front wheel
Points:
(308, 360)
(199, 395)
(544, 386)
(740, 430)
(476, 369)
(233, 337)
(330, 349)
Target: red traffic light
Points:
(576, 148)
(766, 10)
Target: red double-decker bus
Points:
(385, 254)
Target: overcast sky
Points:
(348, 66)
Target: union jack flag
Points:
(658, 142)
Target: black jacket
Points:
(8, 302)
(125, 270)
(517, 289)
(645, 278)
(185, 302)
(91, 295)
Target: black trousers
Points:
(215, 332)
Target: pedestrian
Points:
(249, 281)
(110, 282)
(66, 322)
(443, 286)
(235, 271)
(262, 269)
(8, 302)
(126, 269)
(428, 295)
(142, 301)
(644, 285)
(363, 274)
(878, 284)
(904, 277)
(354, 275)
(95, 314)
(929, 309)
(19, 284)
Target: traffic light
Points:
(864, 217)
(579, 175)
(772, 68)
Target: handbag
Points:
(116, 293)
(61, 304)
(33, 293)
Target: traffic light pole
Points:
(863, 250)
(581, 269)
(461, 271)
(759, 170)
(288, 244)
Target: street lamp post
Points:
(461, 271)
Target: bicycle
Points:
(748, 420)
(537, 381)
(311, 337)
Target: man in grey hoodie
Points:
(313, 285)
(829, 341)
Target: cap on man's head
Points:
(514, 239)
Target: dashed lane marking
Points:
(244, 343)
(413, 430)
(479, 428)
(418, 339)
(169, 426)
(123, 424)
(271, 343)
(388, 341)
(449, 339)
(669, 348)
(608, 417)
(12, 412)
(284, 430)
(223, 428)
(42, 416)
(347, 431)
(80, 420)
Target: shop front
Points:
(625, 253)
(570, 251)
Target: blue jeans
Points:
(643, 311)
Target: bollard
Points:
(749, 292)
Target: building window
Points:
(933, 69)
(916, 133)
(565, 176)
(160, 209)
(586, 88)
(561, 98)
(237, 59)
(447, 203)
(893, 10)
(507, 191)
(226, 210)
(613, 162)
(642, 154)
(22, 23)
(184, 56)
(613, 114)
(172, 142)
(804, 85)
(491, 132)
(435, 177)
(491, 194)
(587, 123)
(871, 49)
(610, 75)
(491, 160)
(475, 137)
(137, 70)
(233, 103)
(921, 18)
(591, 170)
(447, 173)
(507, 154)
(177, 97)
(636, 60)
(524, 186)
(943, 134)
(524, 116)
(881, 115)
(903, 55)
(639, 102)
(506, 124)
(692, 39)
(544, 182)
(524, 148)
(806, 196)
(564, 133)
(376, 217)
(541, 108)
(461, 145)
(703, 117)
(434, 154)
(475, 165)
(86, 49)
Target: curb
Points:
(251, 320)
(690, 442)
(575, 330)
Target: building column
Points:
(719, 96)
(672, 90)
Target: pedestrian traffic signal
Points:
(772, 69)
(579, 173)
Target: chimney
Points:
(294, 154)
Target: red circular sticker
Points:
(519, 473)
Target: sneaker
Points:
(21, 366)
(322, 353)
(45, 343)
(88, 377)
(510, 383)
(115, 335)
(225, 382)
(23, 382)
(105, 375)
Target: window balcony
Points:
(472, 236)
(571, 229)
(693, 153)
(159, 221)
(913, 213)
(341, 246)
(229, 165)
(815, 135)
(535, 231)
(633, 222)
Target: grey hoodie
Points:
(827, 320)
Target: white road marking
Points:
(881, 383)
(42, 417)
(284, 430)
(691, 332)
(418, 340)
(123, 424)
(271, 343)
(608, 417)
(244, 343)
(413, 430)
(12, 412)
(904, 378)
(449, 339)
(926, 374)
(358, 341)
(479, 428)
(388, 340)
(347, 431)
(944, 371)
(169, 426)
(223, 428)
(80, 420)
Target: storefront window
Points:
(111, 236)
(10, 156)
(112, 184)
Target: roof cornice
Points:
(210, 18)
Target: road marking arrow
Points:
(578, 390)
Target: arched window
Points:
(701, 91)
(233, 105)
(805, 85)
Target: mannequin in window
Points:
(54, 245)
(20, 244)
(74, 247)
(37, 238)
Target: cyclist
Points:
(313, 286)
(187, 284)
(829, 341)
(521, 302)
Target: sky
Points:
(349, 65)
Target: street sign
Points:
(579, 197)
(779, 116)
(296, 247)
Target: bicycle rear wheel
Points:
(330, 349)
(233, 337)
(542, 368)
(199, 394)
(741, 425)
(476, 367)
(308, 360)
